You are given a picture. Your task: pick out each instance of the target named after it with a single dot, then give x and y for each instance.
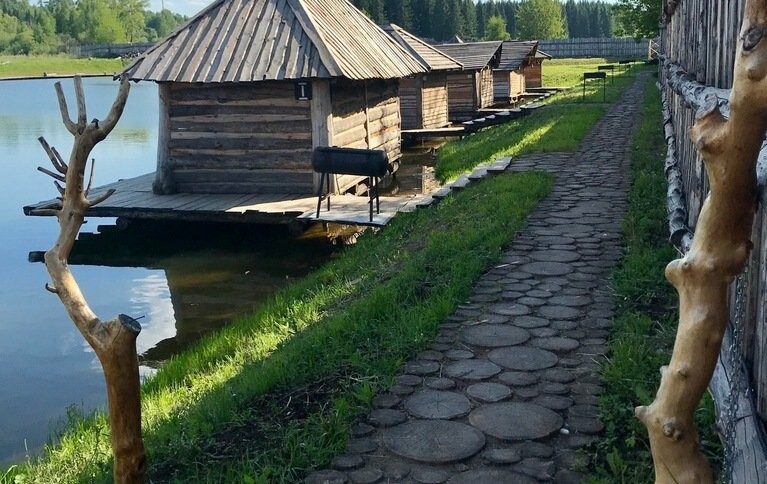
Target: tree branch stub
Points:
(730, 146)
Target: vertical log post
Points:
(114, 342)
(718, 253)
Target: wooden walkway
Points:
(134, 199)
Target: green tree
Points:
(540, 19)
(469, 17)
(496, 29)
(131, 15)
(638, 18)
(97, 22)
(162, 23)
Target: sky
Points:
(184, 7)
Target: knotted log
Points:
(719, 250)
(114, 341)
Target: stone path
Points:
(508, 392)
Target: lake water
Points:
(181, 281)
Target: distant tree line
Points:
(55, 26)
(528, 19)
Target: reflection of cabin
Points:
(423, 97)
(249, 87)
(532, 71)
(509, 79)
(471, 89)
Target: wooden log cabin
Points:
(248, 88)
(533, 70)
(471, 89)
(423, 97)
(509, 81)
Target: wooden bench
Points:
(329, 161)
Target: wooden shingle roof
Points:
(473, 55)
(430, 57)
(514, 54)
(261, 40)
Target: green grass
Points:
(569, 72)
(274, 395)
(38, 66)
(643, 332)
(559, 126)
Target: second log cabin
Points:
(509, 80)
(249, 87)
(424, 97)
(471, 89)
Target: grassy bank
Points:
(645, 326)
(559, 126)
(274, 394)
(39, 66)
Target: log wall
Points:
(485, 84)
(701, 37)
(410, 100)
(434, 101)
(461, 95)
(508, 85)
(366, 115)
(532, 73)
(423, 101)
(253, 138)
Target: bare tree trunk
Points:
(718, 253)
(114, 342)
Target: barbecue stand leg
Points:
(370, 196)
(319, 193)
(328, 190)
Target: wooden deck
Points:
(134, 198)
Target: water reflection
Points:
(198, 277)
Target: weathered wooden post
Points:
(114, 342)
(718, 253)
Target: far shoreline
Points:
(16, 68)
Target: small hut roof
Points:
(430, 57)
(514, 54)
(473, 55)
(261, 40)
(542, 55)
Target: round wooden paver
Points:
(516, 421)
(326, 477)
(523, 358)
(488, 392)
(547, 268)
(530, 322)
(494, 336)
(556, 343)
(510, 309)
(570, 300)
(491, 476)
(432, 404)
(472, 369)
(555, 256)
(434, 441)
(559, 312)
